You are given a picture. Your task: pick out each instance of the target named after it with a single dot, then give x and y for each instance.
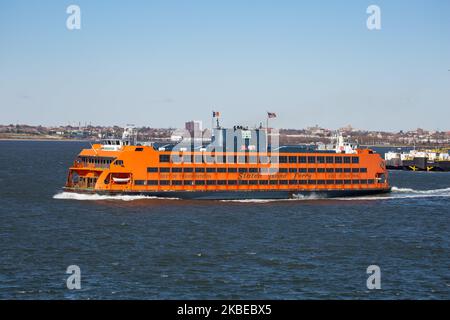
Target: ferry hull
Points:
(243, 195)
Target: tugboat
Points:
(238, 163)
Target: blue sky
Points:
(159, 63)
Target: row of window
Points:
(247, 182)
(256, 170)
(164, 158)
(92, 160)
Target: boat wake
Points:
(405, 193)
(98, 197)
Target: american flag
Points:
(216, 114)
(271, 115)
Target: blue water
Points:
(172, 249)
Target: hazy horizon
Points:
(161, 63)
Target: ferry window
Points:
(232, 182)
(176, 159)
(355, 170)
(283, 159)
(347, 181)
(321, 159)
(118, 162)
(198, 159)
(311, 170)
(292, 170)
(177, 169)
(347, 170)
(177, 182)
(330, 170)
(363, 170)
(221, 169)
(253, 182)
(164, 158)
(139, 149)
(338, 159)
(302, 181)
(338, 181)
(321, 170)
(320, 181)
(152, 182)
(210, 169)
(302, 170)
(211, 182)
(311, 159)
(187, 182)
(293, 181)
(346, 159)
(164, 169)
(232, 170)
(283, 170)
(337, 170)
(139, 182)
(187, 158)
(253, 170)
(355, 159)
(330, 181)
(370, 181)
(188, 170)
(222, 182)
(273, 181)
(302, 159)
(283, 182)
(199, 169)
(363, 181)
(329, 159)
(242, 170)
(292, 159)
(355, 181)
(264, 182)
(164, 182)
(253, 159)
(312, 181)
(243, 182)
(200, 182)
(264, 159)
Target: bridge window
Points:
(164, 158)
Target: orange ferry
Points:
(237, 164)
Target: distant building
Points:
(195, 128)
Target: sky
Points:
(161, 63)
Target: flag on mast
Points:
(216, 114)
(271, 115)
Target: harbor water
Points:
(145, 248)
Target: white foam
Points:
(98, 197)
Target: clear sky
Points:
(159, 63)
